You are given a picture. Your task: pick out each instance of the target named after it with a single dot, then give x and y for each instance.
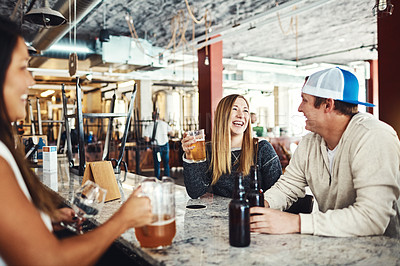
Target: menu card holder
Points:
(102, 173)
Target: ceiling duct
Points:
(129, 51)
(63, 48)
(135, 54)
(47, 36)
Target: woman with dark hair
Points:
(29, 210)
(231, 150)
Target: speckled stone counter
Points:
(202, 239)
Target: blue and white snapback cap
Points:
(335, 83)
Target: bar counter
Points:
(202, 238)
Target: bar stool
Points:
(79, 115)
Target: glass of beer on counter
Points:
(161, 232)
(198, 154)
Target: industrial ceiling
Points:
(303, 32)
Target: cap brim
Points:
(357, 102)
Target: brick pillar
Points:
(210, 85)
(388, 64)
(373, 87)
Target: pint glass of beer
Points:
(161, 232)
(198, 154)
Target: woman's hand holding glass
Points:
(87, 202)
(193, 144)
(64, 216)
(188, 144)
(136, 211)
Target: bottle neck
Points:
(255, 182)
(239, 191)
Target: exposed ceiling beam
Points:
(245, 23)
(245, 26)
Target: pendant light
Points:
(45, 16)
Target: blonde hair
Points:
(221, 141)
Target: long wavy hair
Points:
(221, 141)
(41, 197)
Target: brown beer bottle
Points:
(255, 195)
(239, 216)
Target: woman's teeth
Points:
(238, 123)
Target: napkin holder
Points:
(102, 173)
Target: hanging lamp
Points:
(45, 16)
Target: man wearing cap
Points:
(350, 161)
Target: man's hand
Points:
(272, 221)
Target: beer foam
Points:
(163, 222)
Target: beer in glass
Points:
(158, 234)
(198, 154)
(161, 232)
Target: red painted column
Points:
(389, 71)
(373, 87)
(210, 85)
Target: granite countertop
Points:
(202, 238)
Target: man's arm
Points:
(275, 221)
(291, 185)
(375, 170)
(287, 189)
(375, 161)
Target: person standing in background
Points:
(253, 118)
(157, 133)
(20, 127)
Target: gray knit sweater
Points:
(198, 178)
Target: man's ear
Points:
(329, 104)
